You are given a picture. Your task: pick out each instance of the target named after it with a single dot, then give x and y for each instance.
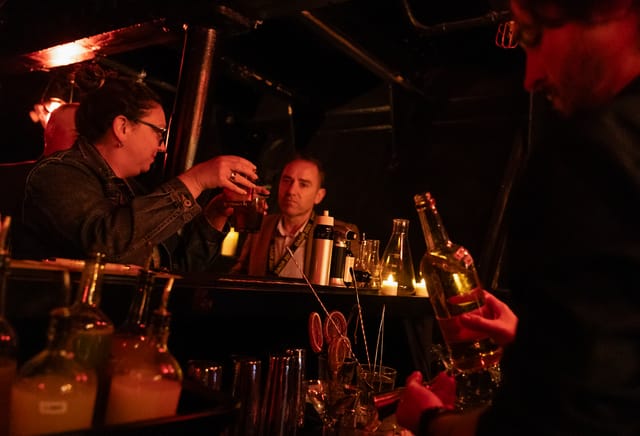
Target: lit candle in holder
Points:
(421, 288)
(389, 286)
(230, 243)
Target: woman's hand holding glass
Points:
(231, 172)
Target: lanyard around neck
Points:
(286, 256)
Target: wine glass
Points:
(332, 405)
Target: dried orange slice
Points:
(337, 352)
(335, 325)
(315, 332)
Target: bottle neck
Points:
(435, 235)
(91, 281)
(348, 251)
(60, 327)
(4, 271)
(159, 328)
(138, 316)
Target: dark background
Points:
(391, 108)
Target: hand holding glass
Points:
(248, 209)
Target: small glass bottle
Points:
(349, 261)
(454, 288)
(92, 329)
(8, 336)
(146, 382)
(397, 263)
(53, 392)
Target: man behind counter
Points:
(300, 189)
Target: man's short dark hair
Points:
(314, 160)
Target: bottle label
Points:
(52, 407)
(348, 266)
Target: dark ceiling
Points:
(293, 43)
(316, 52)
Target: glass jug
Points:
(147, 381)
(53, 391)
(397, 263)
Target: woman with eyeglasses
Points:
(87, 199)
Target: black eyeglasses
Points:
(161, 131)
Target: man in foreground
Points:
(574, 366)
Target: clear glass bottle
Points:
(396, 259)
(133, 331)
(53, 392)
(92, 329)
(147, 381)
(454, 288)
(8, 339)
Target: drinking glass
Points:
(366, 265)
(248, 210)
(278, 416)
(298, 376)
(374, 263)
(338, 392)
(376, 378)
(206, 372)
(247, 379)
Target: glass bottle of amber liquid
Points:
(454, 288)
(92, 329)
(146, 381)
(53, 392)
(132, 334)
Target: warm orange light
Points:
(67, 54)
(70, 53)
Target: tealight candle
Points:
(230, 243)
(389, 286)
(420, 288)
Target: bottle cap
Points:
(325, 219)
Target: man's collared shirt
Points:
(283, 240)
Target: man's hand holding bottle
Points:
(497, 321)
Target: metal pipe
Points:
(191, 99)
(357, 53)
(491, 17)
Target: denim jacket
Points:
(75, 205)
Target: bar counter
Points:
(216, 316)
